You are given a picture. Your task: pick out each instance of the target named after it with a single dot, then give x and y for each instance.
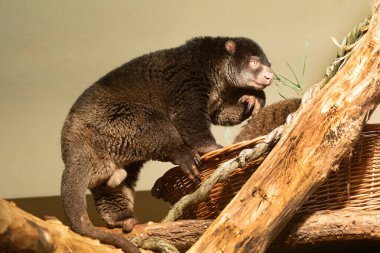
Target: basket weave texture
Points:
(355, 185)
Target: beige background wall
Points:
(52, 50)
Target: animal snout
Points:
(269, 76)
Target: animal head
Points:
(247, 65)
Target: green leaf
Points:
(282, 78)
(304, 61)
(294, 74)
(289, 84)
(282, 81)
(282, 94)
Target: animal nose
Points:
(269, 76)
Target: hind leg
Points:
(116, 204)
(133, 133)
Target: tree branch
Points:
(321, 133)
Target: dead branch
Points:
(321, 133)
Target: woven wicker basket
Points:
(356, 185)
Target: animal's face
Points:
(254, 72)
(248, 66)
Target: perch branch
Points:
(323, 226)
(320, 226)
(22, 231)
(321, 133)
(154, 243)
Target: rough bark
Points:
(337, 225)
(181, 234)
(321, 226)
(21, 231)
(321, 133)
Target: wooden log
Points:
(181, 234)
(325, 226)
(321, 226)
(21, 231)
(321, 133)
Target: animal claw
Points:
(198, 162)
(249, 108)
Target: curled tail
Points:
(268, 119)
(73, 194)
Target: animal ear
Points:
(230, 46)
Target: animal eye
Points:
(253, 63)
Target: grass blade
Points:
(279, 77)
(294, 74)
(304, 61)
(286, 82)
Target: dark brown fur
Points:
(268, 119)
(156, 107)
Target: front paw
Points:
(253, 104)
(190, 163)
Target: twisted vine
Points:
(349, 42)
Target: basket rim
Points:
(257, 140)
